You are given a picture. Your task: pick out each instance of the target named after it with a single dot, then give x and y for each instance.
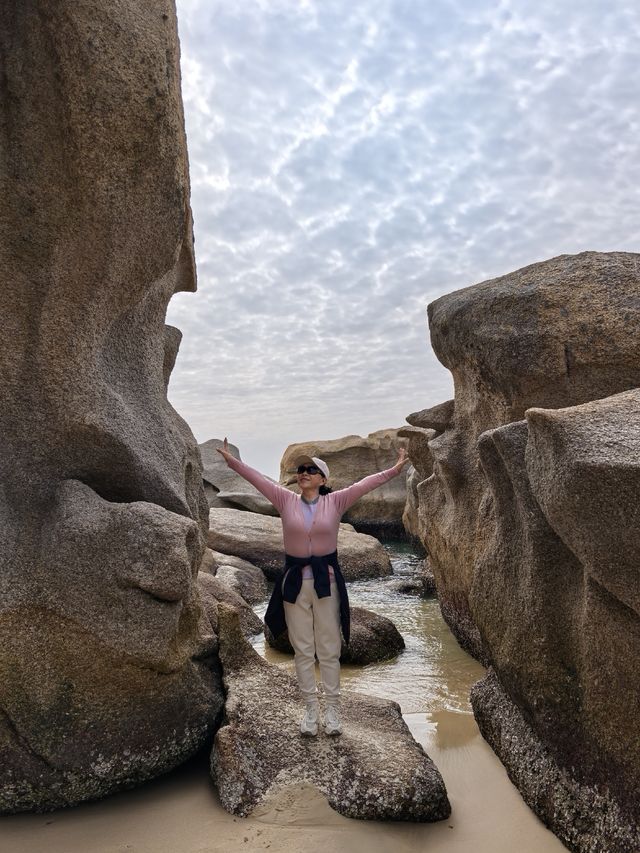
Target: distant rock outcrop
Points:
(351, 458)
(224, 488)
(258, 539)
(373, 638)
(103, 517)
(530, 520)
(375, 770)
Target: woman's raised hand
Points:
(403, 458)
(224, 450)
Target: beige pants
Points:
(313, 625)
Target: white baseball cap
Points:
(313, 460)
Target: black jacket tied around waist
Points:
(288, 588)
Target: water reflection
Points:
(433, 675)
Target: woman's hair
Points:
(324, 490)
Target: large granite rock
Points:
(531, 520)
(258, 539)
(105, 679)
(557, 333)
(223, 487)
(373, 638)
(351, 458)
(374, 770)
(566, 485)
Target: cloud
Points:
(352, 162)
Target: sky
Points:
(352, 161)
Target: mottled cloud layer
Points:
(350, 162)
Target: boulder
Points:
(102, 512)
(350, 459)
(421, 584)
(373, 638)
(225, 488)
(213, 591)
(243, 577)
(566, 484)
(258, 539)
(554, 334)
(375, 770)
(531, 518)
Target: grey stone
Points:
(250, 583)
(375, 770)
(105, 679)
(530, 519)
(213, 591)
(586, 818)
(553, 334)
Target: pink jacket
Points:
(322, 538)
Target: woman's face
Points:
(308, 480)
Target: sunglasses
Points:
(309, 469)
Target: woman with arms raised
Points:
(311, 601)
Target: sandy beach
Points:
(181, 812)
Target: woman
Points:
(311, 602)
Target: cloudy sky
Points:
(352, 161)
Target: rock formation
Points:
(258, 539)
(243, 577)
(420, 470)
(351, 458)
(531, 523)
(103, 517)
(373, 638)
(375, 770)
(213, 592)
(223, 487)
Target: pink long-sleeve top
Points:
(322, 537)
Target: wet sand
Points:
(180, 813)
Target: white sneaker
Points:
(332, 723)
(309, 723)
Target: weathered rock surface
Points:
(566, 485)
(251, 586)
(223, 487)
(420, 469)
(258, 539)
(375, 770)
(102, 512)
(557, 333)
(213, 591)
(238, 574)
(422, 584)
(350, 459)
(373, 638)
(531, 523)
(585, 818)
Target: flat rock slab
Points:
(373, 638)
(258, 539)
(374, 771)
